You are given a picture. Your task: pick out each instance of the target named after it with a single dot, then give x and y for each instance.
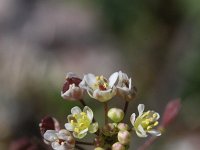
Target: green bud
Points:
(118, 146)
(116, 114)
(124, 137)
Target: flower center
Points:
(101, 83)
(81, 122)
(147, 120)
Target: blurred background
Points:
(157, 43)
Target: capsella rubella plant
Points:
(116, 134)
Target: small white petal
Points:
(104, 96)
(69, 127)
(55, 145)
(70, 117)
(90, 79)
(75, 110)
(130, 84)
(132, 118)
(155, 132)
(79, 136)
(83, 131)
(89, 112)
(50, 135)
(93, 127)
(112, 79)
(140, 135)
(142, 132)
(63, 131)
(158, 116)
(70, 75)
(140, 109)
(63, 134)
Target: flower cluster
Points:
(114, 134)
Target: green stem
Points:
(125, 108)
(82, 102)
(106, 112)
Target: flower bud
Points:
(110, 129)
(125, 89)
(171, 111)
(98, 148)
(48, 123)
(116, 114)
(71, 89)
(124, 137)
(118, 146)
(122, 126)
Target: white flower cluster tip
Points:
(98, 87)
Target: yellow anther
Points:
(97, 77)
(149, 127)
(101, 77)
(156, 123)
(75, 115)
(105, 84)
(81, 124)
(82, 113)
(155, 115)
(76, 129)
(72, 122)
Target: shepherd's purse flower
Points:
(80, 122)
(145, 122)
(98, 87)
(60, 140)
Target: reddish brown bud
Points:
(171, 111)
(48, 123)
(69, 81)
(71, 89)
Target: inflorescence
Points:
(116, 134)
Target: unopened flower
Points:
(71, 89)
(145, 122)
(80, 122)
(171, 111)
(60, 140)
(110, 129)
(99, 148)
(124, 137)
(48, 123)
(122, 126)
(118, 146)
(124, 87)
(116, 114)
(98, 87)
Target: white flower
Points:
(98, 87)
(71, 89)
(80, 122)
(124, 87)
(145, 122)
(60, 140)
